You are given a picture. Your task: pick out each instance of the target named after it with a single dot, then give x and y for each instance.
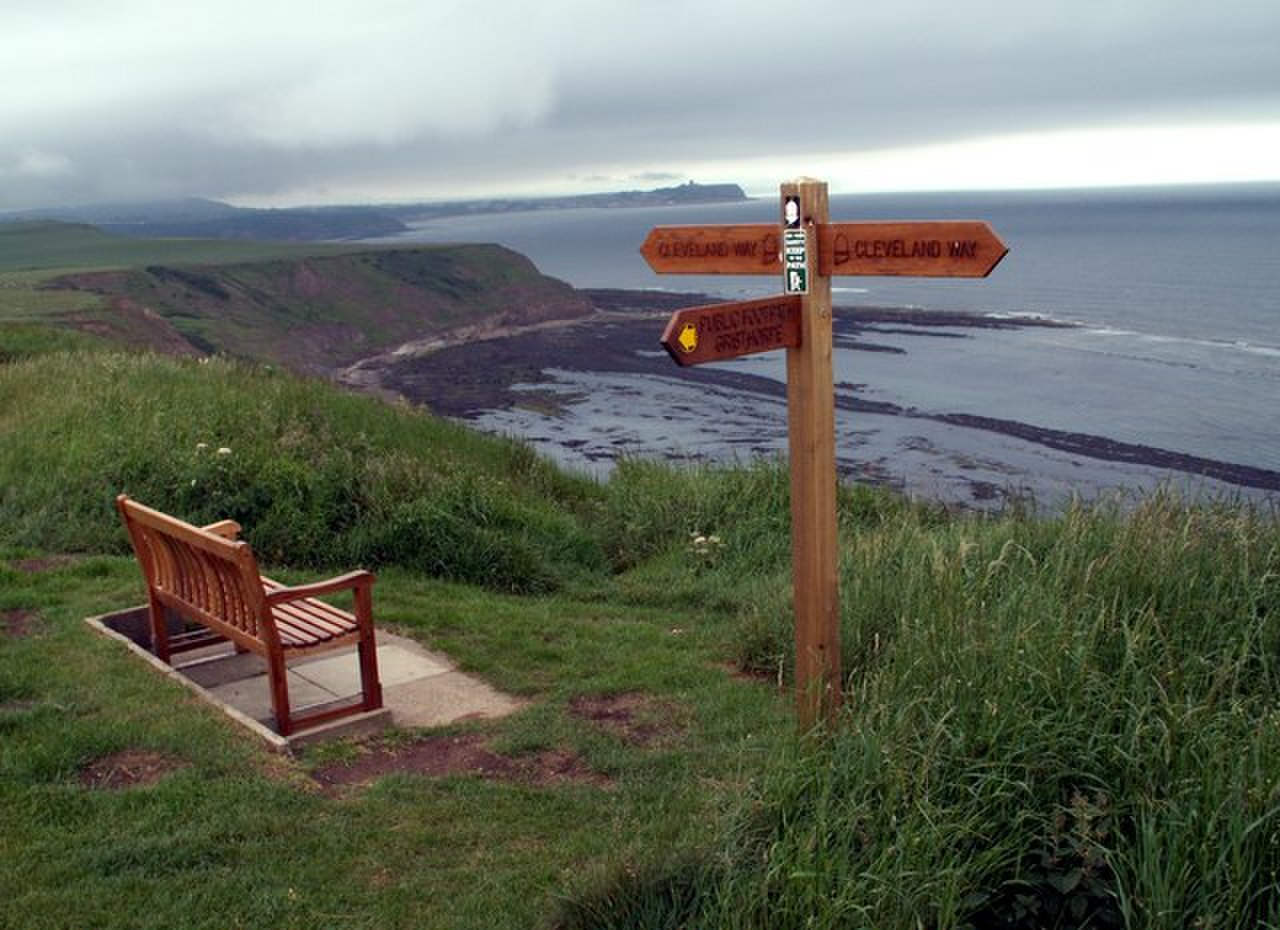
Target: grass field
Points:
(235, 838)
(49, 246)
(1056, 721)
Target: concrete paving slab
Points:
(252, 696)
(222, 668)
(340, 672)
(421, 688)
(444, 699)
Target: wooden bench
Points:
(206, 576)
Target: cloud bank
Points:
(324, 101)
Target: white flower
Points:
(201, 446)
(224, 451)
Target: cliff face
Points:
(319, 314)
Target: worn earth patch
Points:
(44, 563)
(760, 675)
(635, 718)
(18, 706)
(465, 754)
(17, 622)
(131, 768)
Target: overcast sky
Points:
(276, 102)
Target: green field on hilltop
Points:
(52, 245)
(312, 307)
(34, 254)
(1067, 720)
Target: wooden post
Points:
(811, 415)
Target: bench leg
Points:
(159, 629)
(276, 677)
(370, 685)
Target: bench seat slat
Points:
(315, 613)
(311, 617)
(295, 633)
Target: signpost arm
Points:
(811, 409)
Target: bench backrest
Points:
(194, 572)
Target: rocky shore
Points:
(525, 369)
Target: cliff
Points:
(319, 313)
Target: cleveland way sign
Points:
(935, 249)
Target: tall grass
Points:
(317, 477)
(1058, 722)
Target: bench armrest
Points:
(228, 529)
(357, 579)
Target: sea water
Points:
(1174, 295)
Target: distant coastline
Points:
(690, 193)
(200, 218)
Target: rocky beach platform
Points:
(537, 381)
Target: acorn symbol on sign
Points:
(688, 338)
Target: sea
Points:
(1173, 301)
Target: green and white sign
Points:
(795, 258)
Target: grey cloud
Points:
(136, 99)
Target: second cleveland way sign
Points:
(805, 249)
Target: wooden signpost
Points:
(806, 249)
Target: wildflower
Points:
(704, 548)
(201, 446)
(223, 450)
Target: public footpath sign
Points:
(723, 331)
(806, 249)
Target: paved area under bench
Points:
(420, 688)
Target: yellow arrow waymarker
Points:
(688, 338)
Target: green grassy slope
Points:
(236, 838)
(318, 477)
(315, 313)
(1062, 721)
(309, 307)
